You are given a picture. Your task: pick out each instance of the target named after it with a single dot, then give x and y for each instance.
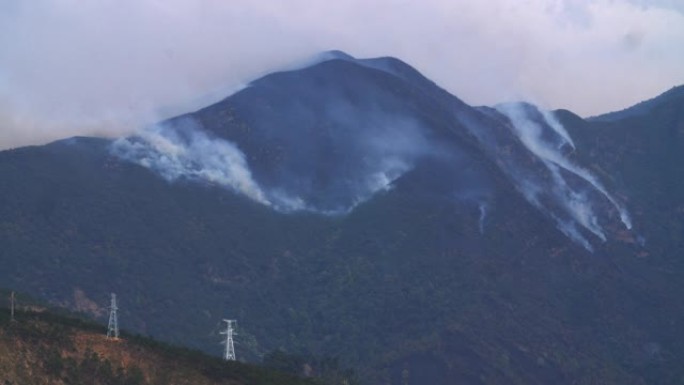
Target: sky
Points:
(110, 67)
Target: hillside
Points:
(643, 153)
(44, 348)
(368, 215)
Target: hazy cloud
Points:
(107, 67)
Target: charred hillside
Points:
(354, 209)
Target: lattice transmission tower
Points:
(229, 352)
(113, 328)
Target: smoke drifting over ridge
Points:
(328, 137)
(182, 149)
(186, 151)
(574, 198)
(322, 139)
(110, 67)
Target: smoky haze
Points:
(109, 67)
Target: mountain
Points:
(672, 98)
(46, 348)
(354, 209)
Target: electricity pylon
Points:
(229, 352)
(113, 328)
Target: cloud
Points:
(69, 67)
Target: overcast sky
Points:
(71, 67)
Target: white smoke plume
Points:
(483, 216)
(571, 231)
(576, 202)
(551, 120)
(186, 151)
(532, 190)
(530, 134)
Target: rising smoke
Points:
(186, 151)
(533, 127)
(329, 149)
(183, 150)
(483, 216)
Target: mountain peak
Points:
(387, 64)
(334, 54)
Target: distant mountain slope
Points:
(354, 209)
(328, 137)
(643, 152)
(672, 97)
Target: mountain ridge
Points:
(641, 108)
(447, 271)
(339, 94)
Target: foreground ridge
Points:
(42, 347)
